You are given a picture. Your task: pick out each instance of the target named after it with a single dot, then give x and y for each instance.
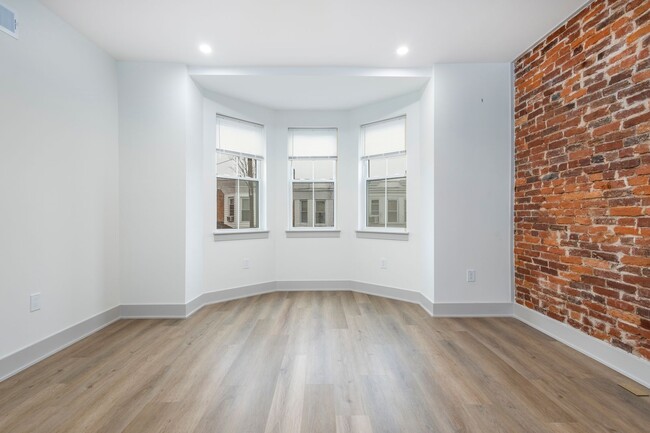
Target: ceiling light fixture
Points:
(205, 48)
(403, 50)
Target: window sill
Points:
(385, 235)
(315, 233)
(240, 235)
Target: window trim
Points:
(314, 229)
(246, 233)
(385, 232)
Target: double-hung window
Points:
(312, 167)
(239, 159)
(383, 161)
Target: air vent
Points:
(8, 23)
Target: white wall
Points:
(403, 267)
(58, 178)
(153, 102)
(426, 197)
(194, 193)
(224, 259)
(309, 259)
(472, 117)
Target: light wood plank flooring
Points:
(319, 362)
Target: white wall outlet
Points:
(34, 302)
(471, 276)
(383, 263)
(246, 264)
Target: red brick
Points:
(582, 183)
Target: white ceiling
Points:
(310, 88)
(314, 54)
(363, 33)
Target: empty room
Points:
(324, 216)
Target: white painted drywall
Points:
(427, 238)
(153, 103)
(403, 270)
(309, 259)
(223, 260)
(472, 154)
(58, 178)
(194, 193)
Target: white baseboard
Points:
(394, 293)
(625, 363)
(475, 309)
(634, 367)
(153, 311)
(314, 285)
(30, 355)
(228, 295)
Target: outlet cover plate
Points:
(34, 302)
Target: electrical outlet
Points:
(246, 264)
(34, 302)
(383, 263)
(471, 276)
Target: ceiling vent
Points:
(8, 23)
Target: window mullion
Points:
(386, 202)
(313, 204)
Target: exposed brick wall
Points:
(582, 187)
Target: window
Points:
(304, 212)
(312, 166)
(239, 161)
(384, 173)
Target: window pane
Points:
(250, 209)
(384, 137)
(248, 167)
(312, 142)
(226, 199)
(396, 166)
(226, 165)
(374, 207)
(375, 193)
(396, 194)
(324, 195)
(304, 211)
(303, 194)
(245, 209)
(377, 167)
(302, 170)
(324, 169)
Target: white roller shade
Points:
(388, 136)
(239, 136)
(305, 143)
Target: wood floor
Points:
(319, 362)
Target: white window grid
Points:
(312, 181)
(365, 170)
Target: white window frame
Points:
(260, 179)
(365, 177)
(293, 181)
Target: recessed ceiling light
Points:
(205, 48)
(403, 50)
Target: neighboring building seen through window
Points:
(384, 172)
(312, 163)
(239, 159)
